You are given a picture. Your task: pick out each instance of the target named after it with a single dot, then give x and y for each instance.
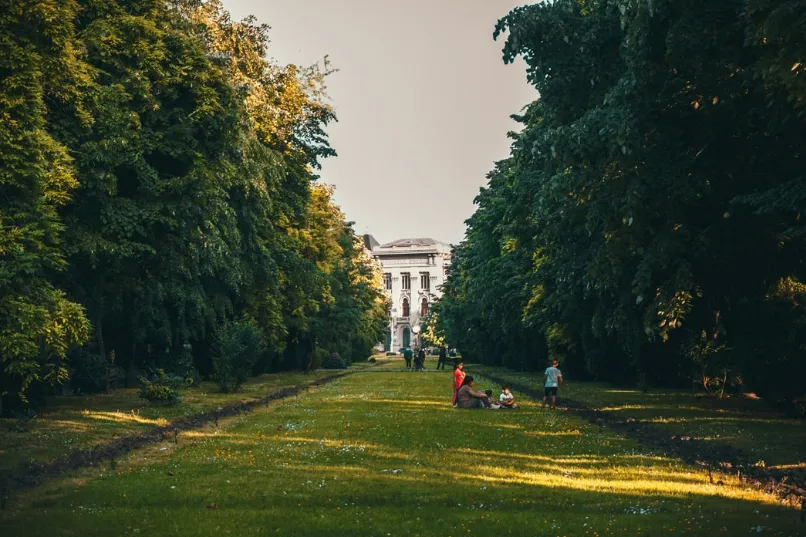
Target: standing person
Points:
(554, 378)
(443, 357)
(458, 378)
(407, 354)
(421, 358)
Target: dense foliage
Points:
(648, 222)
(157, 177)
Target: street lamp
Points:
(416, 330)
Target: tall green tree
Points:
(39, 68)
(655, 186)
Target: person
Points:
(506, 399)
(443, 357)
(458, 378)
(407, 354)
(421, 358)
(554, 378)
(467, 397)
(418, 361)
(489, 402)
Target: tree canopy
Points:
(647, 223)
(158, 180)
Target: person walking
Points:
(554, 378)
(458, 378)
(421, 358)
(443, 357)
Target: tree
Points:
(653, 194)
(39, 65)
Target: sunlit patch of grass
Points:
(67, 423)
(746, 424)
(355, 458)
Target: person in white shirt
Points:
(554, 378)
(506, 399)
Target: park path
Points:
(384, 454)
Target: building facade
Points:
(413, 273)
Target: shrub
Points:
(334, 361)
(161, 388)
(237, 349)
(88, 372)
(372, 359)
(183, 367)
(318, 358)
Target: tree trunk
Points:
(2, 368)
(99, 335)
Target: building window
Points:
(387, 281)
(425, 281)
(424, 308)
(406, 280)
(405, 307)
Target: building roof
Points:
(370, 242)
(407, 243)
(422, 245)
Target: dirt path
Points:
(709, 455)
(33, 475)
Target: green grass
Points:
(384, 454)
(74, 422)
(766, 435)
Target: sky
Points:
(423, 101)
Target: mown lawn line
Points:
(34, 474)
(713, 456)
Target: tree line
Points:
(158, 196)
(648, 224)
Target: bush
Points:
(238, 347)
(334, 361)
(161, 388)
(372, 360)
(184, 367)
(88, 372)
(318, 358)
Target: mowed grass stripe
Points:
(386, 455)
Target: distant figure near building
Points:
(407, 355)
(443, 357)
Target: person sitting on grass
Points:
(467, 397)
(506, 399)
(490, 402)
(554, 378)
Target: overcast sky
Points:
(423, 100)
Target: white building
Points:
(413, 273)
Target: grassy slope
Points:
(384, 454)
(747, 424)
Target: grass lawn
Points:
(383, 454)
(773, 440)
(76, 422)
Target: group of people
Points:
(418, 357)
(464, 396)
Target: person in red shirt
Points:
(458, 378)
